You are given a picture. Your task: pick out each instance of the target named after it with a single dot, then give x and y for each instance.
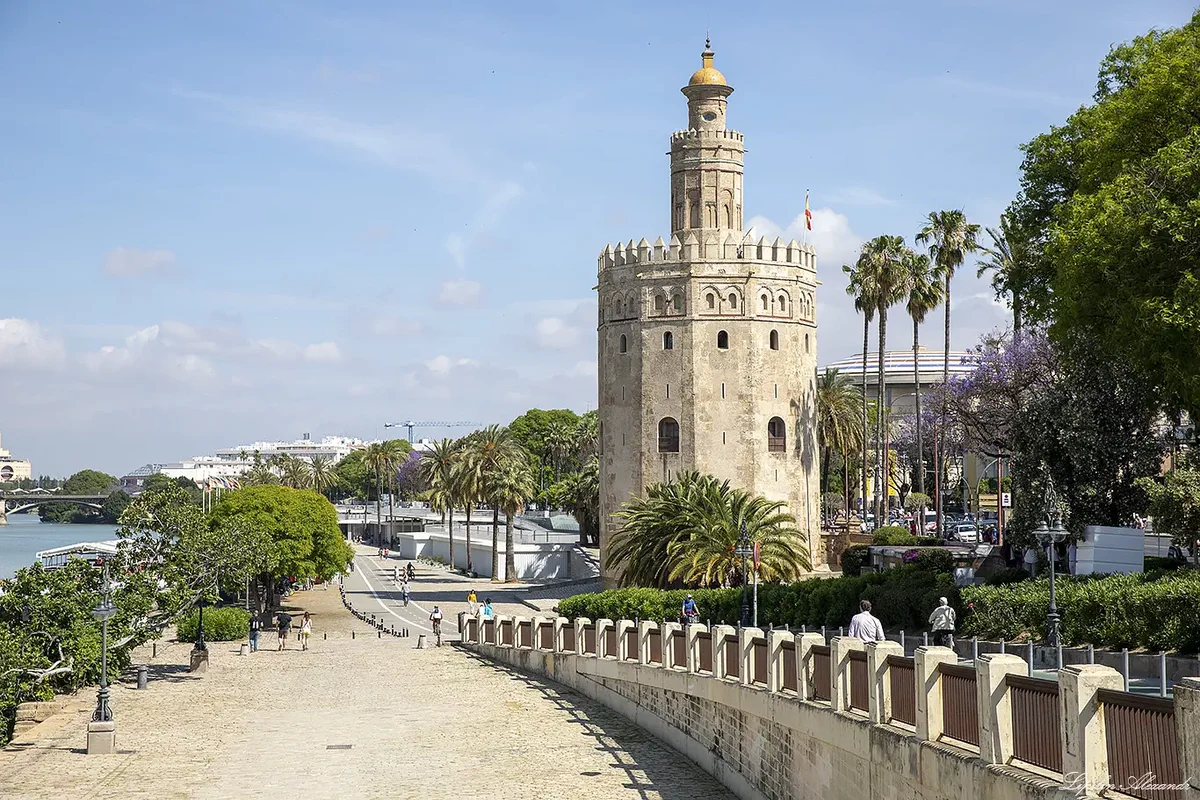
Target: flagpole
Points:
(807, 219)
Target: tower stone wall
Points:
(713, 330)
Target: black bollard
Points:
(324, 637)
(379, 635)
(351, 634)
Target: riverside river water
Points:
(24, 536)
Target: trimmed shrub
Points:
(893, 535)
(933, 559)
(1009, 575)
(902, 598)
(854, 558)
(929, 541)
(220, 625)
(1156, 563)
(1154, 612)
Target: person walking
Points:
(941, 623)
(487, 609)
(305, 630)
(865, 625)
(404, 592)
(472, 601)
(436, 619)
(283, 624)
(255, 628)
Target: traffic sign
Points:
(1006, 499)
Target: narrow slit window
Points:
(774, 340)
(668, 341)
(722, 340)
(624, 345)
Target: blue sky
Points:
(229, 221)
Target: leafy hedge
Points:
(893, 535)
(854, 558)
(220, 625)
(902, 598)
(1155, 611)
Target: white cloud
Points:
(552, 333)
(442, 365)
(129, 262)
(22, 344)
(461, 293)
(324, 352)
(831, 236)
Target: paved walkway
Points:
(351, 718)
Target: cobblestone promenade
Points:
(435, 723)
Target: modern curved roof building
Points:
(898, 371)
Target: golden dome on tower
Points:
(707, 74)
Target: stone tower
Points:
(708, 343)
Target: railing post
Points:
(995, 705)
(804, 662)
(839, 670)
(1187, 729)
(929, 689)
(746, 639)
(602, 626)
(643, 637)
(692, 633)
(560, 625)
(720, 634)
(580, 644)
(624, 626)
(775, 640)
(1084, 743)
(880, 700)
(667, 631)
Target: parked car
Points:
(967, 534)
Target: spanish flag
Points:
(807, 212)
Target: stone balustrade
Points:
(928, 698)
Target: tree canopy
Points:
(1110, 202)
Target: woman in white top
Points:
(305, 630)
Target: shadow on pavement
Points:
(632, 750)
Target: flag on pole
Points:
(807, 212)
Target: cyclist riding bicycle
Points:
(689, 611)
(436, 619)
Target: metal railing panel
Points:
(1141, 741)
(656, 649)
(759, 652)
(789, 665)
(902, 682)
(960, 704)
(822, 674)
(631, 645)
(546, 637)
(860, 688)
(1036, 721)
(704, 644)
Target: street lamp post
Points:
(743, 549)
(200, 645)
(1050, 532)
(103, 613)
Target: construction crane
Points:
(410, 425)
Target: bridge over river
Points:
(363, 717)
(17, 502)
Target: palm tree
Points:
(294, 472)
(374, 459)
(392, 454)
(1006, 259)
(950, 239)
(321, 474)
(861, 287)
(837, 419)
(559, 440)
(924, 294)
(579, 494)
(586, 437)
(493, 447)
(510, 488)
(882, 263)
(687, 531)
(437, 469)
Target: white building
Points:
(13, 469)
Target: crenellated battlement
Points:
(708, 246)
(702, 136)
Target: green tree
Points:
(113, 505)
(579, 494)
(438, 471)
(1175, 506)
(355, 477)
(924, 295)
(486, 454)
(86, 482)
(510, 487)
(322, 476)
(861, 286)
(1008, 261)
(530, 428)
(837, 425)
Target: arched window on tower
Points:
(668, 435)
(783, 304)
(776, 436)
(677, 303)
(766, 303)
(624, 345)
(660, 303)
(728, 216)
(722, 340)
(668, 341)
(711, 300)
(774, 340)
(733, 302)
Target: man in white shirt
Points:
(941, 622)
(865, 626)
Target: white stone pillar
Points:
(720, 634)
(602, 627)
(804, 662)
(692, 632)
(929, 690)
(775, 643)
(668, 630)
(839, 670)
(1187, 729)
(560, 625)
(1085, 747)
(746, 640)
(880, 680)
(624, 626)
(995, 705)
(580, 624)
(644, 629)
